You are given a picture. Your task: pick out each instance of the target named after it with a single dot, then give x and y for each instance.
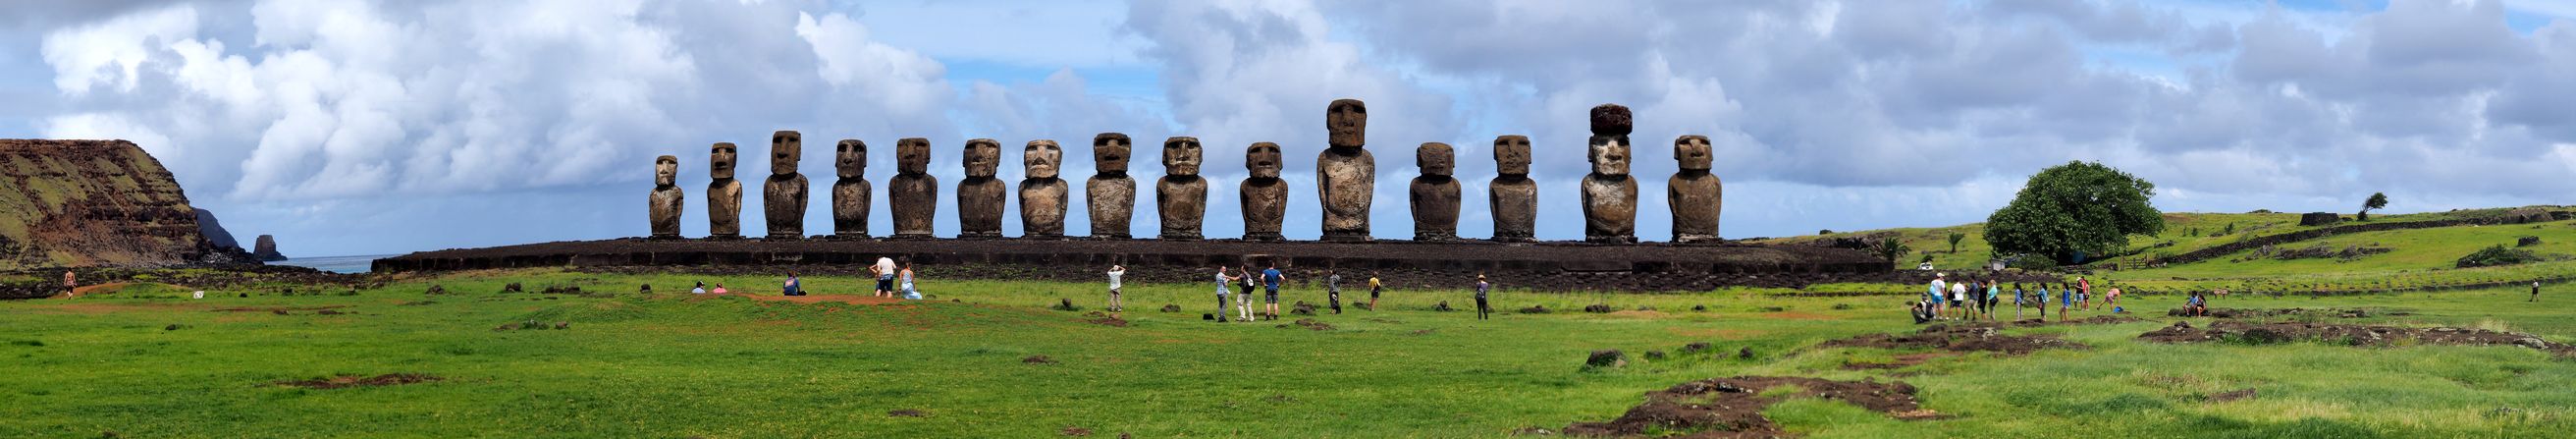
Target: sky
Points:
(374, 127)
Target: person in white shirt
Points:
(1940, 290)
(1116, 271)
(700, 289)
(884, 269)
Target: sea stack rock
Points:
(266, 249)
(667, 200)
(1609, 194)
(724, 195)
(784, 192)
(1696, 195)
(1264, 194)
(1042, 193)
(1181, 196)
(850, 192)
(1345, 174)
(1111, 193)
(1513, 194)
(980, 196)
(1435, 194)
(913, 194)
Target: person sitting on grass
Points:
(1921, 310)
(720, 289)
(2196, 306)
(793, 287)
(906, 276)
(700, 289)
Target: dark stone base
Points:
(1622, 239)
(1697, 239)
(1435, 236)
(784, 237)
(1182, 237)
(1113, 236)
(913, 236)
(1522, 238)
(979, 235)
(1266, 237)
(1347, 237)
(1043, 236)
(728, 237)
(670, 237)
(852, 235)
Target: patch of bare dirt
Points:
(1038, 359)
(2231, 395)
(2252, 313)
(1958, 338)
(852, 299)
(1309, 324)
(1102, 319)
(347, 381)
(2354, 335)
(907, 413)
(1901, 361)
(1732, 407)
(2094, 320)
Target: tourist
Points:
(71, 285)
(884, 269)
(1994, 296)
(2112, 298)
(1481, 286)
(906, 277)
(701, 288)
(720, 289)
(1940, 288)
(1250, 280)
(1333, 290)
(2535, 291)
(1223, 284)
(1375, 286)
(1959, 298)
(792, 287)
(2020, 298)
(2065, 299)
(2196, 306)
(1115, 271)
(1270, 279)
(1921, 309)
(2040, 301)
(2083, 293)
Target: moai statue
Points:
(724, 195)
(1182, 195)
(1435, 194)
(1112, 195)
(980, 197)
(785, 190)
(1346, 175)
(1609, 194)
(850, 192)
(1514, 195)
(667, 198)
(1265, 196)
(913, 194)
(1042, 194)
(1696, 195)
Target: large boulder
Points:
(2319, 219)
(267, 249)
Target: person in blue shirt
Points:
(2042, 301)
(1270, 279)
(2065, 299)
(2020, 298)
(793, 287)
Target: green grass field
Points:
(149, 363)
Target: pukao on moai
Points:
(1609, 194)
(785, 190)
(913, 194)
(1514, 195)
(667, 198)
(850, 192)
(1042, 194)
(1181, 195)
(1435, 194)
(980, 197)
(1346, 175)
(724, 195)
(1265, 196)
(1695, 194)
(1111, 193)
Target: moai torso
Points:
(667, 200)
(850, 191)
(1696, 195)
(1111, 194)
(1345, 174)
(980, 197)
(1609, 194)
(724, 195)
(1513, 194)
(1181, 195)
(1435, 194)
(1265, 195)
(1042, 201)
(784, 192)
(913, 194)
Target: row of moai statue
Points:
(1346, 179)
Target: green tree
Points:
(1954, 241)
(2075, 211)
(2378, 200)
(1892, 248)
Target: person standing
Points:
(1482, 309)
(1940, 289)
(1333, 290)
(2535, 290)
(884, 269)
(1959, 299)
(72, 283)
(1270, 279)
(1375, 286)
(1994, 296)
(2065, 299)
(1223, 284)
(2083, 294)
(2042, 301)
(2020, 298)
(1250, 280)
(1115, 272)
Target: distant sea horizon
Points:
(335, 264)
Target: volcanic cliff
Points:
(95, 203)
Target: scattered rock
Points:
(1171, 308)
(2526, 241)
(1063, 304)
(513, 287)
(1956, 338)
(647, 289)
(1443, 307)
(1699, 308)
(1732, 407)
(1535, 309)
(1695, 347)
(1744, 354)
(2353, 335)
(1598, 308)
(1302, 308)
(436, 289)
(1654, 355)
(1037, 359)
(345, 381)
(907, 413)
(174, 327)
(1606, 358)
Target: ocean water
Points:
(335, 264)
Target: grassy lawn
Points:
(674, 365)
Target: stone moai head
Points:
(912, 155)
(1436, 158)
(666, 170)
(850, 158)
(786, 147)
(1693, 152)
(1263, 159)
(1511, 155)
(1181, 156)
(1611, 120)
(720, 160)
(1610, 155)
(1041, 158)
(1347, 120)
(983, 157)
(1109, 152)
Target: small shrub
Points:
(2497, 256)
